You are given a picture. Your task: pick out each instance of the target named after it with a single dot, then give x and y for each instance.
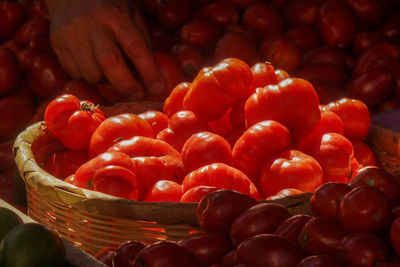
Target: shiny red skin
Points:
(174, 102)
(126, 253)
(291, 227)
(34, 26)
(319, 260)
(222, 13)
(12, 16)
(365, 39)
(157, 120)
(195, 194)
(106, 255)
(365, 209)
(263, 74)
(217, 210)
(189, 58)
(262, 218)
(163, 190)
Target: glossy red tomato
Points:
(291, 227)
(368, 11)
(393, 67)
(157, 120)
(362, 249)
(126, 253)
(12, 16)
(164, 190)
(117, 128)
(37, 8)
(263, 74)
(257, 144)
(379, 178)
(106, 255)
(319, 260)
(365, 209)
(268, 250)
(217, 210)
(324, 54)
(335, 23)
(174, 101)
(363, 153)
(205, 148)
(172, 14)
(281, 103)
(321, 236)
(11, 72)
(195, 194)
(165, 253)
(325, 201)
(390, 27)
(222, 13)
(262, 218)
(263, 18)
(189, 58)
(34, 26)
(209, 248)
(290, 169)
(41, 43)
(202, 34)
(72, 121)
(365, 39)
(13, 45)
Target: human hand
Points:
(90, 37)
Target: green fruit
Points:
(31, 245)
(8, 220)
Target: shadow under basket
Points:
(93, 220)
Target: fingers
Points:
(134, 45)
(111, 62)
(88, 66)
(67, 62)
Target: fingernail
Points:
(157, 87)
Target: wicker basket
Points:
(94, 220)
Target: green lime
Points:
(8, 220)
(31, 245)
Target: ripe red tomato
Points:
(379, 178)
(209, 248)
(205, 148)
(172, 14)
(284, 193)
(34, 26)
(262, 218)
(11, 72)
(324, 54)
(290, 169)
(364, 40)
(393, 67)
(304, 37)
(189, 58)
(301, 12)
(263, 18)
(259, 143)
(72, 121)
(12, 16)
(321, 236)
(368, 11)
(363, 153)
(355, 117)
(37, 8)
(365, 209)
(164, 190)
(13, 45)
(217, 210)
(202, 34)
(62, 164)
(116, 128)
(195, 194)
(362, 249)
(106, 255)
(127, 252)
(319, 260)
(291, 227)
(157, 120)
(268, 250)
(323, 72)
(281, 103)
(174, 101)
(263, 74)
(222, 176)
(335, 23)
(325, 201)
(222, 13)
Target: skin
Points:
(91, 38)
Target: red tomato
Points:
(393, 67)
(281, 74)
(116, 128)
(37, 8)
(222, 176)
(84, 91)
(106, 255)
(126, 252)
(268, 250)
(12, 16)
(281, 103)
(290, 169)
(284, 193)
(365, 209)
(189, 58)
(364, 40)
(324, 54)
(379, 178)
(390, 27)
(174, 101)
(40, 43)
(195, 194)
(263, 74)
(157, 120)
(111, 173)
(395, 234)
(10, 70)
(167, 254)
(262, 218)
(236, 45)
(363, 153)
(325, 201)
(202, 34)
(13, 45)
(355, 117)
(224, 125)
(217, 210)
(259, 143)
(291, 227)
(72, 121)
(281, 52)
(205, 148)
(323, 72)
(209, 248)
(362, 249)
(222, 13)
(335, 23)
(368, 11)
(301, 12)
(263, 18)
(181, 126)
(62, 164)
(321, 236)
(172, 14)
(319, 260)
(34, 26)
(15, 113)
(304, 37)
(164, 190)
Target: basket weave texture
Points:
(93, 220)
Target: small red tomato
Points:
(262, 218)
(263, 74)
(195, 194)
(34, 26)
(174, 101)
(12, 16)
(164, 190)
(189, 58)
(172, 14)
(157, 120)
(363, 153)
(323, 72)
(126, 253)
(303, 36)
(301, 12)
(364, 40)
(291, 227)
(106, 255)
(325, 201)
(263, 18)
(324, 54)
(217, 210)
(368, 11)
(222, 13)
(365, 209)
(202, 34)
